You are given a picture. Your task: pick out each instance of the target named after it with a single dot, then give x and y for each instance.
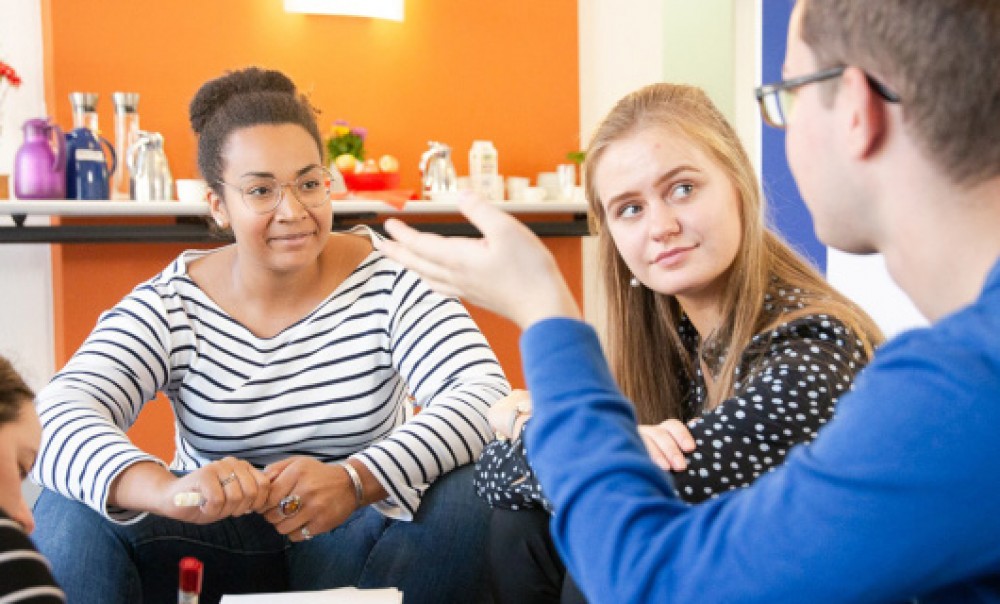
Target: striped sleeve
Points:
(454, 377)
(25, 576)
(87, 407)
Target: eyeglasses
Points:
(262, 194)
(776, 100)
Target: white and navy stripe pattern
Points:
(336, 383)
(25, 576)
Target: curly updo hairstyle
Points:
(14, 393)
(241, 99)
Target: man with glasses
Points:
(893, 115)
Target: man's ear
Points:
(865, 113)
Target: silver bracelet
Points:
(359, 492)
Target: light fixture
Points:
(379, 9)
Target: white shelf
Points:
(62, 207)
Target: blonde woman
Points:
(732, 348)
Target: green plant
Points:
(345, 139)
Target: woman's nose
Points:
(663, 221)
(289, 205)
(22, 515)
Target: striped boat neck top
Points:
(341, 381)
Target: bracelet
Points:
(359, 492)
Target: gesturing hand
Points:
(307, 497)
(508, 271)
(667, 442)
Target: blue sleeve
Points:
(876, 509)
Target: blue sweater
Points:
(896, 499)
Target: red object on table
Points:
(371, 181)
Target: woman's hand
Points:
(667, 442)
(508, 271)
(227, 487)
(325, 497)
(509, 413)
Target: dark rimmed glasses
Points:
(776, 100)
(262, 194)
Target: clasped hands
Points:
(300, 496)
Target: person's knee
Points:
(454, 493)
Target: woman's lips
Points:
(292, 238)
(673, 256)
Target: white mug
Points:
(516, 186)
(191, 190)
(550, 182)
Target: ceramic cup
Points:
(516, 186)
(550, 182)
(534, 194)
(191, 190)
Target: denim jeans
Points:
(439, 557)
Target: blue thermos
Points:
(88, 173)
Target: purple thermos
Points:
(40, 171)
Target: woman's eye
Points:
(628, 210)
(683, 190)
(310, 185)
(259, 190)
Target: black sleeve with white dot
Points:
(787, 384)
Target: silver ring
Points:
(227, 479)
(289, 506)
(305, 533)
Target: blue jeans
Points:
(439, 557)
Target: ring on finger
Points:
(305, 532)
(289, 506)
(224, 481)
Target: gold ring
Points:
(227, 479)
(289, 506)
(305, 533)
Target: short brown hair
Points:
(14, 393)
(941, 56)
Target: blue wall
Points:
(788, 213)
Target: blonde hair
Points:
(647, 355)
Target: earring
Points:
(222, 223)
(633, 282)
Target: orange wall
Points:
(453, 71)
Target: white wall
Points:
(866, 280)
(25, 270)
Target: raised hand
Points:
(508, 270)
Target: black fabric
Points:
(516, 536)
(24, 575)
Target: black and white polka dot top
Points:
(785, 390)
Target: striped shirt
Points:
(25, 577)
(339, 382)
